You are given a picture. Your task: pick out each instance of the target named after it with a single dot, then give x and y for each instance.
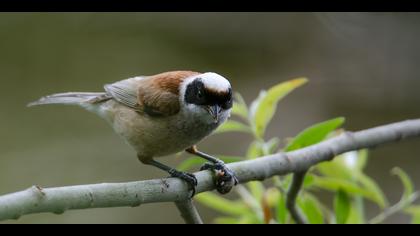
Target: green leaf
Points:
(362, 159)
(341, 206)
(271, 146)
(415, 219)
(257, 189)
(314, 134)
(286, 181)
(250, 219)
(272, 195)
(266, 107)
(248, 199)
(414, 211)
(239, 106)
(226, 220)
(356, 215)
(339, 169)
(253, 108)
(190, 163)
(336, 169)
(193, 162)
(254, 150)
(281, 210)
(233, 126)
(406, 181)
(311, 207)
(372, 186)
(334, 184)
(308, 180)
(222, 205)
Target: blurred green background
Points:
(364, 66)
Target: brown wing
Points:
(125, 92)
(156, 95)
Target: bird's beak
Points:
(214, 111)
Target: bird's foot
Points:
(187, 177)
(225, 177)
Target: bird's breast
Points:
(156, 136)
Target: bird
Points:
(163, 114)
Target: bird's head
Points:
(208, 94)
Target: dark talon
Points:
(207, 166)
(187, 177)
(225, 178)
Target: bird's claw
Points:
(187, 177)
(225, 177)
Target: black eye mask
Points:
(196, 93)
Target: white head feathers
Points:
(211, 80)
(215, 81)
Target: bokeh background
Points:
(364, 66)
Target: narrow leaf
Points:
(370, 184)
(334, 184)
(272, 195)
(415, 219)
(356, 215)
(272, 145)
(254, 150)
(314, 134)
(250, 219)
(311, 208)
(308, 180)
(257, 189)
(405, 180)
(362, 159)
(335, 168)
(414, 211)
(233, 126)
(254, 106)
(190, 163)
(221, 204)
(248, 199)
(341, 206)
(239, 106)
(281, 210)
(226, 220)
(267, 106)
(340, 169)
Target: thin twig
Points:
(188, 212)
(403, 203)
(292, 195)
(58, 200)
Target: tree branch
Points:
(292, 195)
(188, 212)
(403, 203)
(58, 200)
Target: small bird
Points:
(163, 114)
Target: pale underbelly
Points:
(155, 136)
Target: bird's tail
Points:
(71, 98)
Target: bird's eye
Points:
(199, 94)
(227, 105)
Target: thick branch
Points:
(58, 200)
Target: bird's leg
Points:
(225, 177)
(187, 177)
